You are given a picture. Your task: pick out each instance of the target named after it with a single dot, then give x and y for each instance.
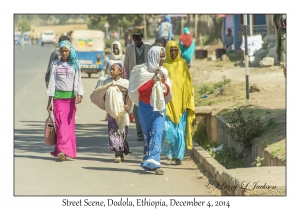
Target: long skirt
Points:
(152, 126)
(64, 115)
(173, 141)
(117, 140)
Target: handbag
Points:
(49, 132)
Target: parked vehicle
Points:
(17, 38)
(26, 38)
(89, 48)
(48, 37)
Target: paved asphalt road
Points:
(36, 172)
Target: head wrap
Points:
(170, 44)
(121, 67)
(72, 58)
(154, 57)
(168, 18)
(186, 30)
(119, 56)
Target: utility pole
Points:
(196, 25)
(250, 25)
(246, 60)
(145, 27)
(182, 24)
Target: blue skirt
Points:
(173, 143)
(152, 123)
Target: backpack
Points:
(186, 39)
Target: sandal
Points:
(140, 138)
(177, 161)
(169, 162)
(158, 171)
(61, 156)
(117, 159)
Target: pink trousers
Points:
(64, 115)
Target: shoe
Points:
(140, 138)
(158, 171)
(61, 156)
(117, 159)
(177, 161)
(169, 162)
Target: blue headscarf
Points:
(72, 58)
(186, 30)
(168, 18)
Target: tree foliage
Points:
(23, 25)
(49, 19)
(115, 20)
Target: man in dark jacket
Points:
(135, 55)
(54, 55)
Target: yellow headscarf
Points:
(182, 91)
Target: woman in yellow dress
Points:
(180, 111)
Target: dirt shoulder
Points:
(267, 96)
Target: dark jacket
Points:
(53, 57)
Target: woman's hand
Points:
(126, 107)
(158, 71)
(78, 99)
(49, 107)
(155, 78)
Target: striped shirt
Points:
(64, 77)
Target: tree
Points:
(24, 25)
(115, 21)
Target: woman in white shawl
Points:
(116, 56)
(149, 88)
(113, 98)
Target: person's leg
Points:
(168, 140)
(117, 157)
(64, 115)
(152, 152)
(116, 139)
(137, 124)
(181, 136)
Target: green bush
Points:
(229, 157)
(205, 89)
(244, 130)
(208, 39)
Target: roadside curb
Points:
(255, 181)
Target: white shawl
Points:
(113, 103)
(114, 106)
(141, 74)
(120, 56)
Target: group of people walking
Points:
(151, 81)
